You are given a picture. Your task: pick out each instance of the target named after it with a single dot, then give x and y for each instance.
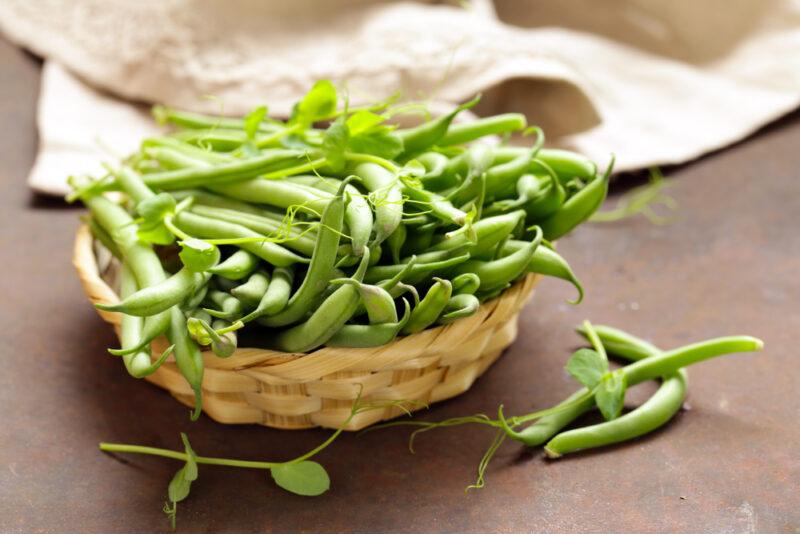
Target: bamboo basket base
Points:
(294, 391)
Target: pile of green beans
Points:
(297, 235)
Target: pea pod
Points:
(327, 319)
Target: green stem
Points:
(266, 141)
(174, 455)
(291, 171)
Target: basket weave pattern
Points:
(285, 390)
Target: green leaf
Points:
(318, 104)
(253, 121)
(156, 233)
(303, 478)
(363, 121)
(198, 255)
(610, 395)
(587, 367)
(334, 144)
(191, 461)
(381, 142)
(179, 486)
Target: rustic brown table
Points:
(730, 263)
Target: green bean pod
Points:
(199, 157)
(386, 197)
(435, 165)
(157, 298)
(427, 134)
(278, 193)
(188, 357)
(213, 200)
(329, 317)
(497, 273)
(357, 214)
(417, 273)
(236, 266)
(372, 335)
(458, 134)
(548, 262)
(568, 165)
(466, 283)
(320, 269)
(430, 307)
(277, 296)
(578, 208)
(233, 171)
(213, 229)
(377, 302)
(104, 237)
(655, 412)
(230, 308)
(459, 306)
(489, 232)
(396, 241)
(439, 207)
(251, 292)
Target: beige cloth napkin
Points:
(654, 82)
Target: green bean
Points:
(322, 264)
(289, 235)
(439, 207)
(578, 208)
(218, 139)
(195, 121)
(142, 259)
(548, 200)
(357, 215)
(373, 335)
(251, 292)
(386, 197)
(501, 179)
(417, 273)
(279, 193)
(567, 164)
(427, 134)
(459, 134)
(430, 307)
(396, 241)
(230, 308)
(188, 357)
(168, 146)
(138, 363)
(377, 301)
(497, 273)
(234, 171)
(466, 283)
(213, 229)
(157, 298)
(655, 412)
(489, 232)
(133, 185)
(331, 315)
(104, 237)
(236, 266)
(616, 342)
(546, 261)
(205, 199)
(277, 296)
(418, 240)
(459, 306)
(220, 335)
(528, 186)
(435, 167)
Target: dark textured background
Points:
(729, 264)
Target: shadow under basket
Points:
(292, 391)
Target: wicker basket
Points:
(285, 390)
